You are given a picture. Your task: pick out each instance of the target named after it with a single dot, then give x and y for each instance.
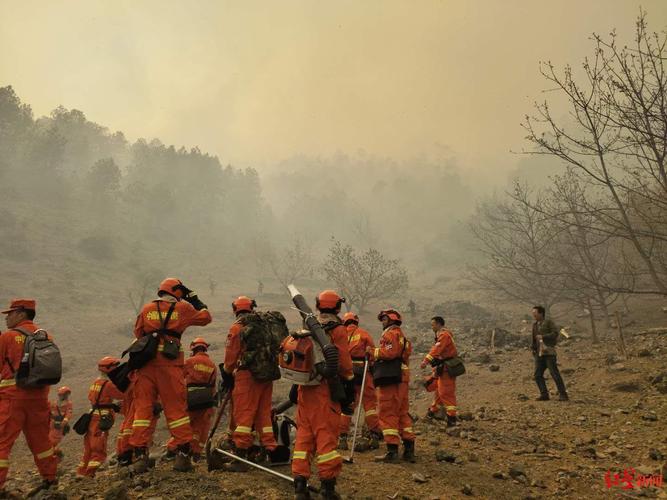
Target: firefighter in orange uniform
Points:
(359, 340)
(317, 416)
(444, 348)
(251, 399)
(102, 394)
(124, 452)
(176, 309)
(199, 371)
(23, 409)
(393, 400)
(61, 414)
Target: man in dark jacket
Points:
(545, 337)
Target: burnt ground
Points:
(506, 446)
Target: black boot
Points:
(125, 458)
(237, 465)
(182, 462)
(451, 420)
(328, 489)
(542, 397)
(140, 464)
(409, 451)
(301, 488)
(391, 456)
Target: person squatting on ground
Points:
(199, 372)
(545, 338)
(393, 404)
(318, 416)
(102, 394)
(359, 340)
(176, 309)
(61, 414)
(251, 399)
(23, 409)
(445, 393)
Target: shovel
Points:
(350, 459)
(216, 422)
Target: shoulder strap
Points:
(99, 395)
(25, 333)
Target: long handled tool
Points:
(350, 459)
(262, 468)
(216, 422)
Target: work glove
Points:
(424, 363)
(56, 425)
(115, 407)
(65, 429)
(227, 380)
(294, 393)
(195, 302)
(157, 409)
(370, 353)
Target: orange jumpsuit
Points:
(59, 409)
(23, 409)
(445, 395)
(199, 369)
(162, 377)
(393, 400)
(358, 340)
(101, 395)
(251, 400)
(318, 418)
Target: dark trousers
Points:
(541, 364)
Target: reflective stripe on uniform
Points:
(141, 423)
(160, 348)
(451, 407)
(404, 366)
(179, 422)
(300, 455)
(4, 463)
(376, 354)
(7, 382)
(370, 412)
(242, 429)
(45, 454)
(357, 362)
(408, 429)
(390, 432)
(94, 464)
(267, 430)
(429, 357)
(327, 457)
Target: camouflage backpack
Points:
(261, 337)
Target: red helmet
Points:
(199, 342)
(171, 286)
(64, 390)
(392, 314)
(350, 317)
(328, 300)
(107, 363)
(243, 303)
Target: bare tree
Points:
(519, 244)
(144, 285)
(617, 146)
(291, 262)
(364, 277)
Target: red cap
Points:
(20, 304)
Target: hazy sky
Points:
(255, 82)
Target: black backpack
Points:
(262, 335)
(41, 364)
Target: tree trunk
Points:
(594, 331)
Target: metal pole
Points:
(261, 467)
(350, 459)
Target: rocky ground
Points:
(507, 444)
